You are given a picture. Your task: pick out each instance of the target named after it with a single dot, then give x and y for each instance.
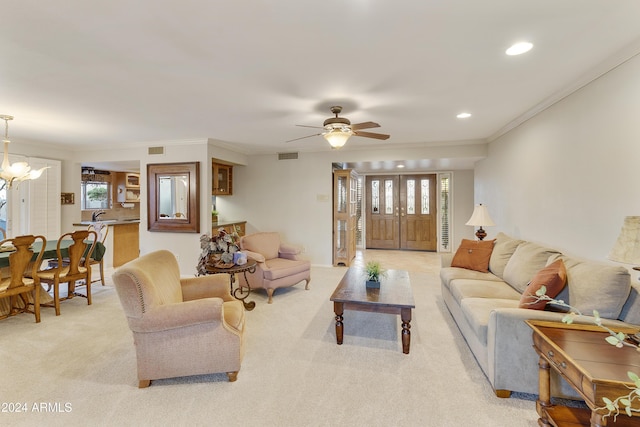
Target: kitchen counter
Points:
(123, 239)
(109, 222)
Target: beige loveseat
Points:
(181, 326)
(485, 308)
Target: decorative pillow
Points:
(553, 276)
(473, 255)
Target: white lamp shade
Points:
(337, 138)
(480, 217)
(627, 247)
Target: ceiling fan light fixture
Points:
(337, 137)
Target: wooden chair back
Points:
(101, 229)
(80, 251)
(23, 278)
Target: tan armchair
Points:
(278, 263)
(180, 326)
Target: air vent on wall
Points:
(156, 150)
(287, 156)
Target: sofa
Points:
(487, 310)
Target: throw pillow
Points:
(473, 255)
(553, 276)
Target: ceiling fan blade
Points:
(365, 125)
(314, 127)
(371, 135)
(303, 137)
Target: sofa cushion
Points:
(553, 277)
(503, 249)
(526, 261)
(470, 288)
(265, 243)
(478, 310)
(474, 255)
(595, 286)
(278, 268)
(447, 274)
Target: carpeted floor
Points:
(79, 368)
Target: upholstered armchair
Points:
(180, 326)
(278, 263)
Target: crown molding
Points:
(604, 67)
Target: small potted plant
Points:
(214, 215)
(374, 272)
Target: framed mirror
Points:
(173, 197)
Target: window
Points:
(445, 212)
(95, 195)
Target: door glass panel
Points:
(411, 196)
(341, 239)
(375, 196)
(425, 196)
(388, 196)
(342, 194)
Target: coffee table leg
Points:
(338, 308)
(405, 315)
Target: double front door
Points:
(401, 212)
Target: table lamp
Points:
(627, 248)
(480, 218)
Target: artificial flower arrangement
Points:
(219, 249)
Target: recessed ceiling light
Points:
(463, 115)
(519, 48)
(400, 166)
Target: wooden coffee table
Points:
(393, 297)
(593, 367)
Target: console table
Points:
(593, 367)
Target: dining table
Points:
(50, 253)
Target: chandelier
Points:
(18, 171)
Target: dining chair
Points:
(21, 265)
(102, 230)
(77, 268)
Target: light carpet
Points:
(79, 369)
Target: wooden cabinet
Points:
(345, 203)
(126, 242)
(128, 187)
(222, 184)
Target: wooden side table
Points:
(593, 367)
(240, 292)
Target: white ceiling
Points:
(118, 72)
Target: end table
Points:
(239, 293)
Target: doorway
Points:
(401, 212)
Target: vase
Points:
(373, 284)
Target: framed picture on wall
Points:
(67, 198)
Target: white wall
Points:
(294, 197)
(567, 177)
(463, 208)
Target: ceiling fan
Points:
(337, 130)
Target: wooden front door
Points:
(401, 212)
(418, 221)
(382, 212)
